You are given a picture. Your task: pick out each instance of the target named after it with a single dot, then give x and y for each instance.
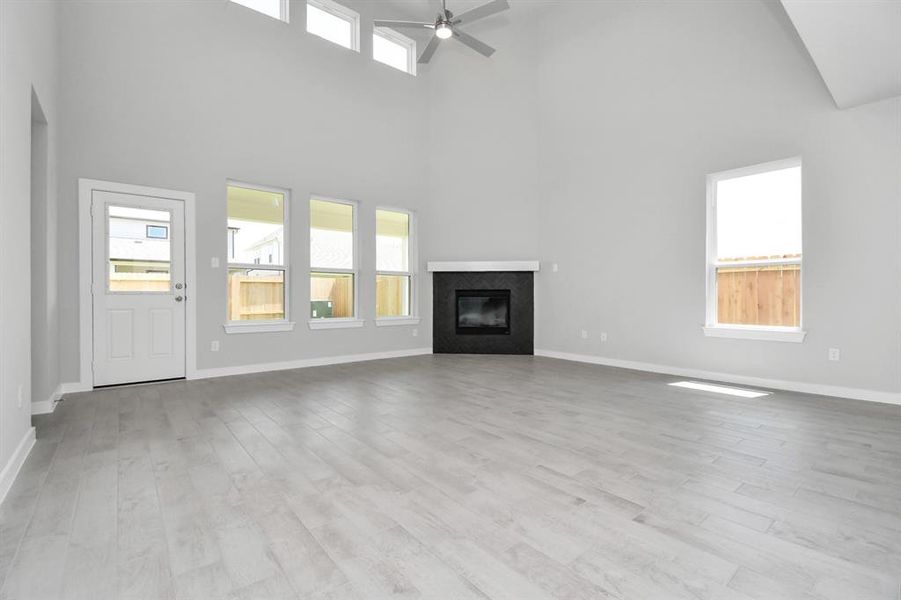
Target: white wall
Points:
(483, 147)
(591, 133)
(638, 102)
(186, 95)
(585, 140)
(28, 60)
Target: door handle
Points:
(178, 298)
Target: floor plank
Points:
(455, 477)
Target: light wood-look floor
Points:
(455, 477)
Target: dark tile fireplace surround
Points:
(483, 312)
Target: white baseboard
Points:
(45, 407)
(776, 384)
(73, 387)
(11, 470)
(304, 363)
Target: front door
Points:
(138, 288)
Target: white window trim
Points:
(412, 261)
(267, 326)
(396, 321)
(339, 322)
(283, 11)
(342, 12)
(751, 332)
(401, 40)
(258, 326)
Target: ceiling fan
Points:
(445, 27)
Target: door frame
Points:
(86, 189)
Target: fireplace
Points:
(480, 308)
(483, 312)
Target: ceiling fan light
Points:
(444, 31)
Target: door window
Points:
(137, 262)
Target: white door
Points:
(138, 288)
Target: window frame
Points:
(401, 40)
(108, 233)
(340, 11)
(147, 235)
(284, 7)
(268, 325)
(712, 327)
(337, 322)
(411, 272)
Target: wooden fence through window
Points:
(759, 295)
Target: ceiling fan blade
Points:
(480, 12)
(480, 47)
(411, 24)
(426, 55)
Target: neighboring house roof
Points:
(272, 237)
(131, 249)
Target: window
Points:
(754, 252)
(333, 263)
(333, 22)
(394, 276)
(277, 9)
(257, 259)
(138, 262)
(157, 232)
(394, 49)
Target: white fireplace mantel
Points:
(457, 266)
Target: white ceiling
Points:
(856, 45)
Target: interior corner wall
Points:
(28, 61)
(638, 103)
(483, 147)
(187, 95)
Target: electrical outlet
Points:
(584, 334)
(214, 262)
(835, 354)
(603, 336)
(554, 267)
(214, 346)
(415, 332)
(20, 399)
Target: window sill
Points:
(767, 334)
(396, 321)
(258, 327)
(335, 323)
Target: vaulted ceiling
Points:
(856, 45)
